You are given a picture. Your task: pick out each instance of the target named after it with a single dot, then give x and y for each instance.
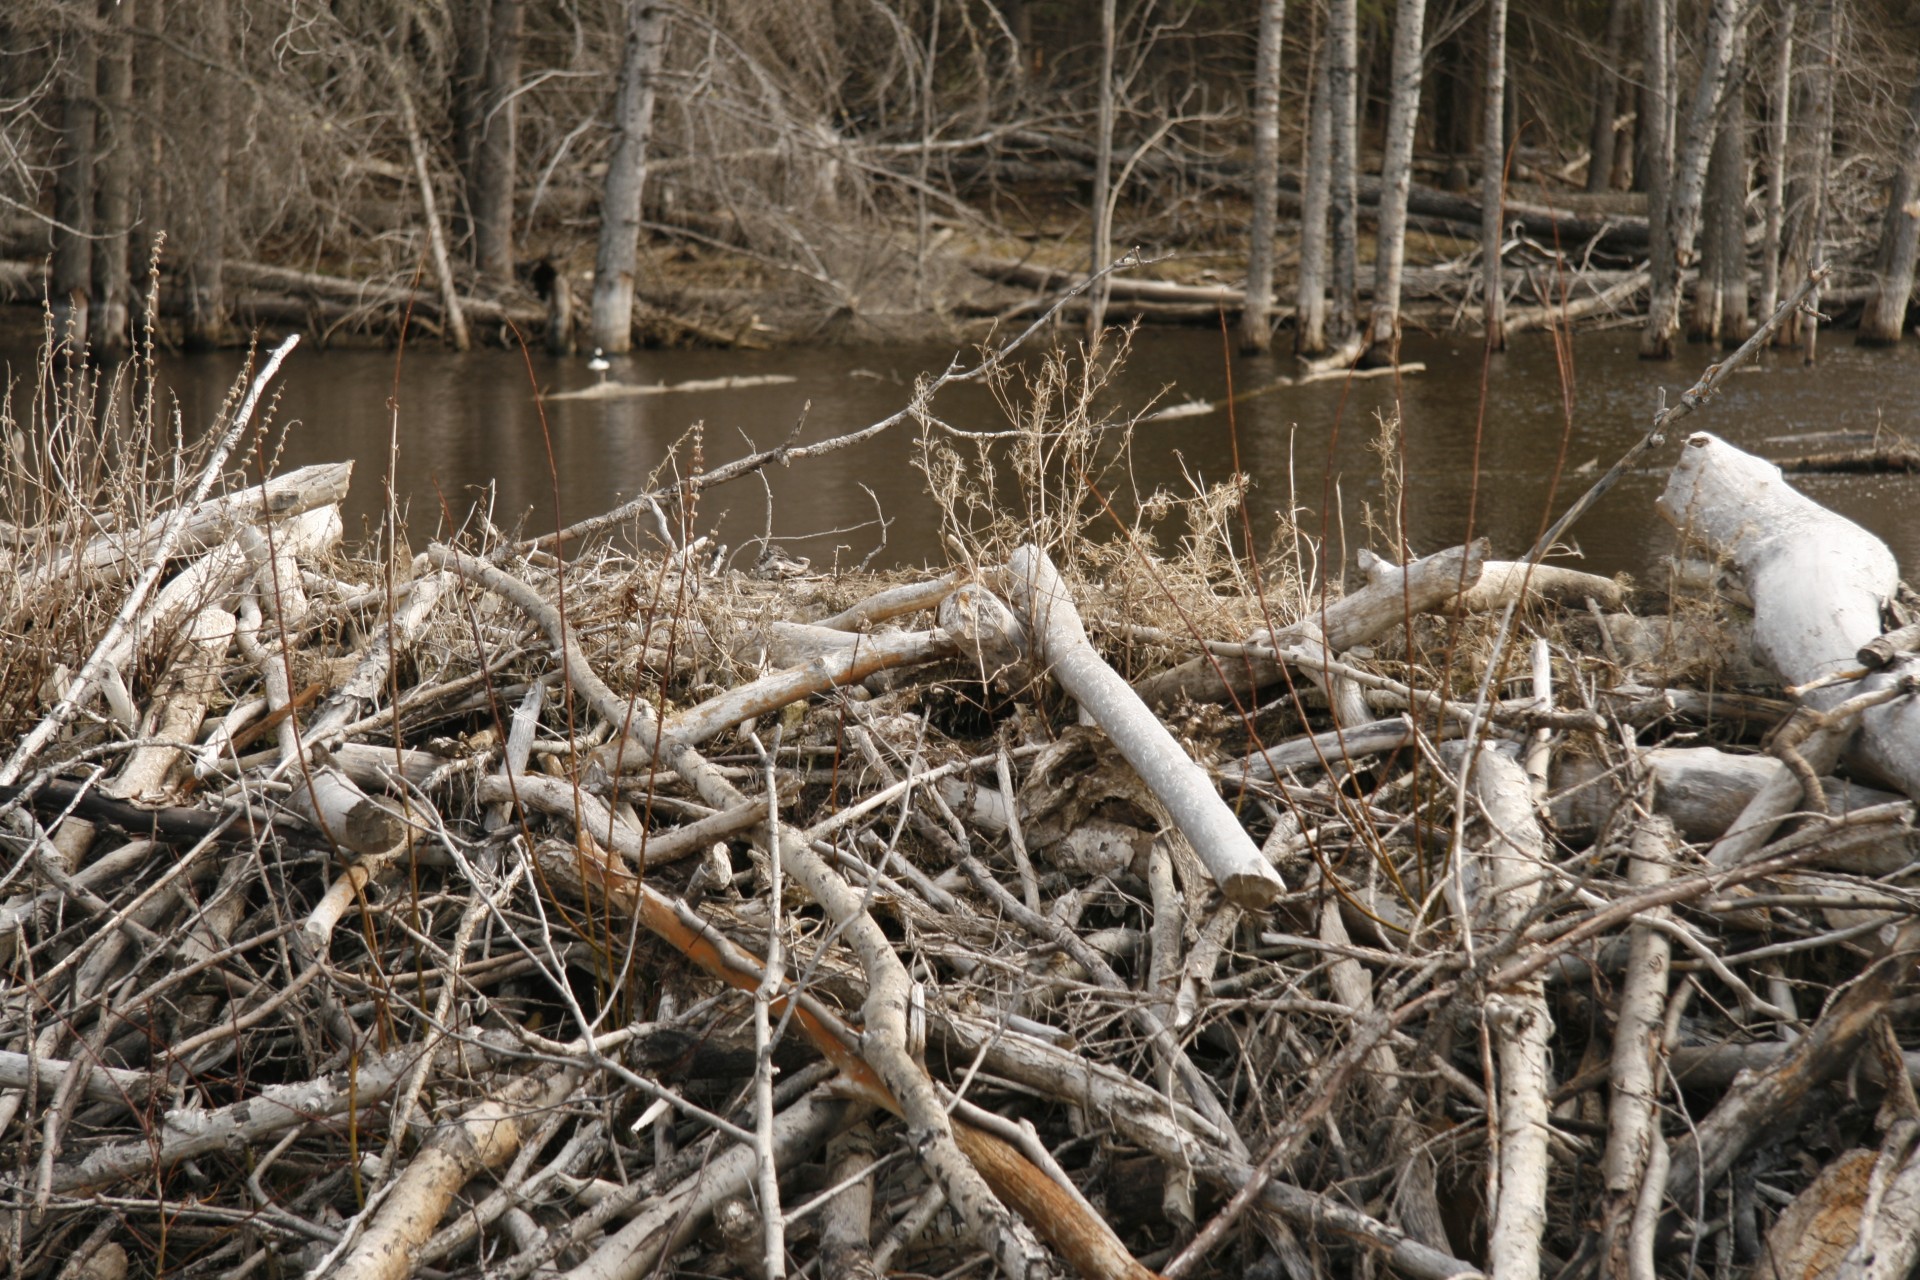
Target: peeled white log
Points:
(212, 522)
(1501, 582)
(1632, 1125)
(1818, 583)
(1060, 642)
(1515, 856)
(1384, 603)
(191, 684)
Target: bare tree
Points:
(1657, 88)
(495, 159)
(1396, 176)
(1687, 179)
(1603, 132)
(1886, 313)
(1781, 96)
(1720, 294)
(1810, 160)
(72, 284)
(1342, 54)
(1310, 307)
(1102, 175)
(1256, 327)
(113, 204)
(626, 172)
(1492, 175)
(204, 246)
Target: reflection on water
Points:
(471, 423)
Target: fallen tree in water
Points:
(588, 906)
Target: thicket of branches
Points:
(843, 161)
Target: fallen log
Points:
(1060, 643)
(1352, 620)
(1819, 585)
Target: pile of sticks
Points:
(562, 908)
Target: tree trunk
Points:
(1690, 176)
(467, 105)
(1102, 176)
(206, 246)
(626, 171)
(1886, 314)
(1782, 94)
(1256, 327)
(1658, 82)
(1493, 149)
(1810, 159)
(1316, 188)
(1344, 142)
(73, 190)
(1720, 295)
(113, 203)
(1606, 99)
(495, 158)
(1396, 175)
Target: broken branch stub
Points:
(1059, 641)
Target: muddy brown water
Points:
(470, 429)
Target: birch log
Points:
(1060, 641)
(486, 1136)
(1633, 1123)
(1392, 594)
(1818, 583)
(1514, 859)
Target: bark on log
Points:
(1351, 620)
(1759, 1102)
(190, 1130)
(487, 1135)
(1701, 790)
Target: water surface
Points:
(470, 430)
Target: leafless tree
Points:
(626, 170)
(1256, 329)
(1886, 313)
(1396, 176)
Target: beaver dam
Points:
(1113, 902)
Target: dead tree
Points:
(73, 188)
(1396, 176)
(1342, 56)
(1603, 132)
(203, 248)
(1493, 173)
(1886, 313)
(1256, 328)
(1809, 161)
(1686, 179)
(1720, 294)
(1102, 177)
(1781, 95)
(113, 174)
(495, 155)
(1316, 189)
(626, 171)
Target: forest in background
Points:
(605, 172)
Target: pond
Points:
(470, 423)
